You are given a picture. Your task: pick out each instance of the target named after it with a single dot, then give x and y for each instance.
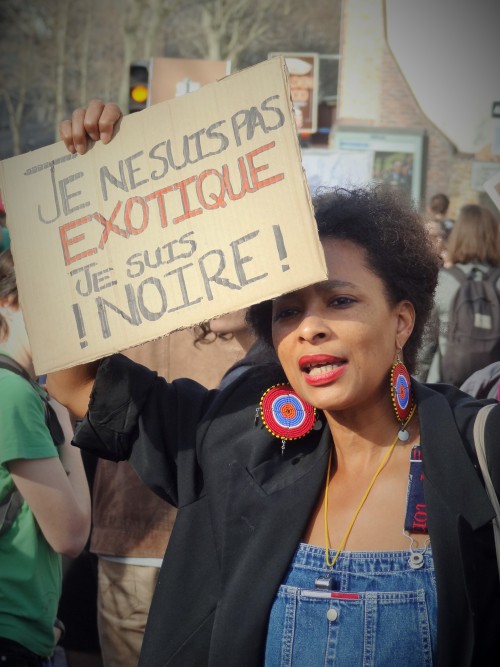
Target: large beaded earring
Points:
(401, 395)
(285, 414)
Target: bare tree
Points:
(22, 58)
(55, 55)
(85, 51)
(222, 29)
(61, 24)
(142, 23)
(15, 108)
(244, 31)
(230, 26)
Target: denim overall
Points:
(381, 613)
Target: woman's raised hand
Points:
(96, 122)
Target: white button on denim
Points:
(332, 614)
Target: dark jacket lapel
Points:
(266, 517)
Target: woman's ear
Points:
(405, 323)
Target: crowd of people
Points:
(469, 253)
(223, 534)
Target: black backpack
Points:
(11, 504)
(473, 337)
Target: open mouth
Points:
(314, 370)
(317, 365)
(320, 370)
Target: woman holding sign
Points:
(330, 511)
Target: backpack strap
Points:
(11, 365)
(9, 507)
(479, 428)
(456, 273)
(51, 418)
(11, 504)
(494, 275)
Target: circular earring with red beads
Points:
(402, 396)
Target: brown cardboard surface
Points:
(177, 355)
(197, 207)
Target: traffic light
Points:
(139, 86)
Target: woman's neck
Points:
(358, 438)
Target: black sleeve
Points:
(134, 414)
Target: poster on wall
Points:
(397, 155)
(303, 70)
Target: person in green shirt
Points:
(54, 517)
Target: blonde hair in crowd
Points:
(475, 237)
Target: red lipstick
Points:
(321, 369)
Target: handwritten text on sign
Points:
(150, 226)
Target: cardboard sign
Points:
(197, 207)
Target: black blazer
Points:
(243, 508)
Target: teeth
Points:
(321, 370)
